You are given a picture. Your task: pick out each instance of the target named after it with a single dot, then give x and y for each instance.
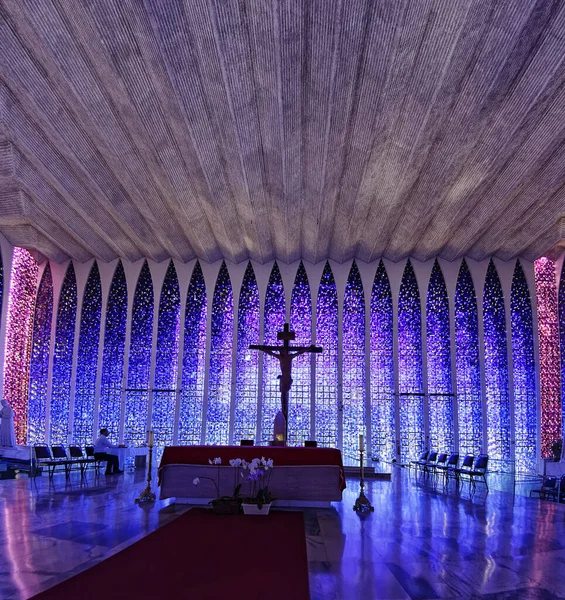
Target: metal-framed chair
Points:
(548, 488)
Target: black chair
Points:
(548, 488)
(78, 458)
(422, 459)
(440, 462)
(59, 453)
(43, 458)
(465, 468)
(561, 492)
(246, 442)
(310, 444)
(449, 467)
(430, 464)
(479, 471)
(90, 454)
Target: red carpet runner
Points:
(203, 556)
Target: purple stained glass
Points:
(194, 360)
(496, 370)
(166, 360)
(39, 364)
(525, 410)
(63, 359)
(353, 363)
(410, 384)
(383, 428)
(326, 426)
(550, 377)
(438, 347)
(113, 355)
(274, 319)
(299, 404)
(467, 367)
(87, 359)
(136, 408)
(247, 368)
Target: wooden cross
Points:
(284, 354)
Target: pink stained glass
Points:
(19, 329)
(549, 354)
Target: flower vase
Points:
(253, 509)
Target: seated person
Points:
(100, 447)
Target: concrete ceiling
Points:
(282, 129)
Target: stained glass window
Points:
(548, 332)
(326, 403)
(141, 343)
(496, 370)
(382, 368)
(353, 363)
(63, 359)
(194, 360)
(438, 348)
(87, 359)
(525, 413)
(410, 385)
(550, 377)
(247, 369)
(166, 361)
(274, 319)
(113, 354)
(467, 368)
(299, 404)
(39, 364)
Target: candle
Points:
(151, 438)
(360, 441)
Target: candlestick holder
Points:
(147, 495)
(362, 505)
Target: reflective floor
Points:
(422, 541)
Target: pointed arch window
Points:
(39, 364)
(353, 362)
(438, 348)
(166, 360)
(247, 367)
(136, 408)
(410, 383)
(525, 412)
(326, 408)
(220, 371)
(274, 319)
(382, 368)
(496, 369)
(194, 360)
(299, 404)
(467, 367)
(87, 359)
(113, 354)
(63, 359)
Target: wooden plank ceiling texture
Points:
(282, 129)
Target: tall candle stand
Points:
(362, 505)
(147, 495)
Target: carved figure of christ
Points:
(284, 354)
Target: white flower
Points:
(218, 461)
(196, 481)
(237, 462)
(232, 462)
(210, 461)
(270, 463)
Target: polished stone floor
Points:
(422, 541)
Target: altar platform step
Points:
(368, 472)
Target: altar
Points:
(301, 476)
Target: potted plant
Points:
(222, 505)
(557, 448)
(259, 474)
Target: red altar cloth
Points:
(284, 456)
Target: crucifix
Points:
(284, 354)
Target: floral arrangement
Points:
(260, 470)
(222, 504)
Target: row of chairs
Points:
(435, 463)
(57, 456)
(550, 489)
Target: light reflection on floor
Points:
(424, 540)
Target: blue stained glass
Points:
(220, 371)
(383, 428)
(299, 404)
(1, 286)
(467, 367)
(87, 359)
(63, 359)
(525, 410)
(113, 354)
(440, 390)
(141, 342)
(39, 365)
(353, 363)
(496, 369)
(410, 384)
(274, 319)
(166, 361)
(194, 360)
(326, 409)
(247, 369)
(561, 310)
